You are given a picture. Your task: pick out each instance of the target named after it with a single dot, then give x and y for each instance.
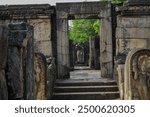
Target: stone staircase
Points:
(72, 89)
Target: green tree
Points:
(81, 30)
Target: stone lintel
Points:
(26, 11)
(80, 9)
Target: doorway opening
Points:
(84, 44)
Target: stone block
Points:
(128, 44)
(42, 36)
(133, 22)
(43, 47)
(132, 33)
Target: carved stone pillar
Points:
(20, 62)
(137, 75)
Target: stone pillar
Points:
(20, 62)
(63, 63)
(106, 47)
(91, 52)
(72, 57)
(3, 59)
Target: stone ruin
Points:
(137, 75)
(26, 41)
(34, 47)
(132, 49)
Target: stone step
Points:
(85, 83)
(66, 89)
(86, 96)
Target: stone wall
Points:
(26, 73)
(39, 16)
(3, 59)
(42, 35)
(132, 34)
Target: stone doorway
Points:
(86, 10)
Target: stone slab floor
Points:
(84, 73)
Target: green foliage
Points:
(96, 26)
(81, 30)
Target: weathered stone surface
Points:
(136, 22)
(20, 74)
(106, 47)
(40, 76)
(137, 75)
(3, 86)
(51, 77)
(91, 52)
(132, 33)
(120, 80)
(25, 11)
(3, 59)
(125, 45)
(3, 46)
(42, 36)
(29, 78)
(94, 53)
(38, 16)
(15, 73)
(63, 49)
(80, 9)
